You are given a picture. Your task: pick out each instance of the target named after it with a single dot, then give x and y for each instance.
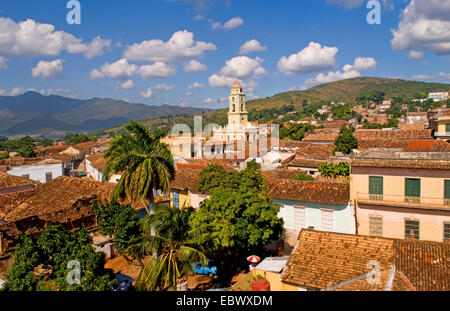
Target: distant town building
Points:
(438, 96)
(42, 171)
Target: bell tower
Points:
(237, 114)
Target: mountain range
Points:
(33, 113)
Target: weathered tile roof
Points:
(311, 163)
(308, 191)
(9, 181)
(87, 146)
(393, 134)
(364, 143)
(402, 163)
(10, 201)
(321, 137)
(58, 195)
(427, 146)
(97, 160)
(324, 260)
(186, 179)
(281, 173)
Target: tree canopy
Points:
(346, 141)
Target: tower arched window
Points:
(234, 107)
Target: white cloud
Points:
(127, 85)
(30, 38)
(194, 66)
(196, 85)
(185, 104)
(424, 25)
(120, 69)
(215, 101)
(242, 67)
(15, 91)
(251, 46)
(3, 62)
(47, 70)
(349, 71)
(233, 23)
(157, 70)
(441, 75)
(180, 46)
(188, 94)
(163, 87)
(221, 81)
(311, 59)
(91, 50)
(147, 94)
(57, 91)
(415, 54)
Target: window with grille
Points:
(412, 229)
(376, 226)
(446, 231)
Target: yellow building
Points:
(402, 198)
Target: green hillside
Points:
(344, 90)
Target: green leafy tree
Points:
(334, 170)
(237, 219)
(28, 152)
(346, 141)
(146, 164)
(52, 251)
(304, 177)
(119, 222)
(177, 253)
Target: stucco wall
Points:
(343, 218)
(37, 172)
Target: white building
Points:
(43, 171)
(438, 96)
(94, 168)
(238, 127)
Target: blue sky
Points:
(114, 52)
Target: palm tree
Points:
(176, 255)
(145, 162)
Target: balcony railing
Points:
(422, 201)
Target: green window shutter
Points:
(375, 185)
(447, 189)
(412, 187)
(447, 128)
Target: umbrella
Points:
(253, 259)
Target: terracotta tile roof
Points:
(311, 163)
(307, 191)
(8, 181)
(321, 150)
(186, 179)
(58, 195)
(11, 200)
(321, 137)
(393, 134)
(426, 264)
(325, 260)
(97, 160)
(402, 163)
(364, 143)
(52, 149)
(281, 173)
(428, 146)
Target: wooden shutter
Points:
(48, 177)
(412, 187)
(447, 189)
(447, 128)
(376, 187)
(327, 219)
(299, 217)
(376, 226)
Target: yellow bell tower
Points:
(237, 114)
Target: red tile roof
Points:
(428, 146)
(393, 134)
(334, 261)
(97, 160)
(309, 191)
(8, 181)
